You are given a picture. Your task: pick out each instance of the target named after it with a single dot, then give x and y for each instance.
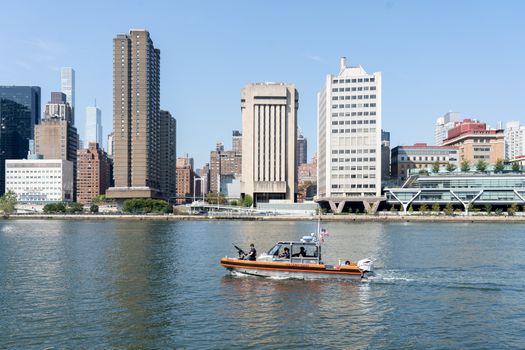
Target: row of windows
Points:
(426, 158)
(427, 152)
(35, 189)
(353, 194)
(37, 198)
(482, 149)
(352, 131)
(354, 97)
(366, 159)
(27, 176)
(355, 168)
(481, 140)
(346, 169)
(355, 80)
(353, 151)
(25, 183)
(364, 88)
(354, 122)
(354, 105)
(32, 171)
(353, 114)
(354, 186)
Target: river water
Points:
(154, 285)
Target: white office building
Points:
(443, 125)
(349, 134)
(67, 86)
(93, 126)
(40, 181)
(514, 140)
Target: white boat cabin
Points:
(294, 252)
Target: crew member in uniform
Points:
(252, 254)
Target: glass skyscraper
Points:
(67, 86)
(19, 112)
(93, 132)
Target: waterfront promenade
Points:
(518, 218)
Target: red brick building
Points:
(93, 173)
(186, 187)
(223, 163)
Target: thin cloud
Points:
(314, 58)
(45, 50)
(24, 65)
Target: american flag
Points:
(324, 233)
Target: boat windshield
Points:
(275, 250)
(304, 250)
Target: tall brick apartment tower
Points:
(136, 116)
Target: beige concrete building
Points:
(56, 139)
(136, 116)
(55, 136)
(476, 142)
(269, 129)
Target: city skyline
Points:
(429, 71)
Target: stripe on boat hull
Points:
(263, 268)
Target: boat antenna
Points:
(318, 238)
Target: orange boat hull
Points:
(279, 269)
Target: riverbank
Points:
(328, 218)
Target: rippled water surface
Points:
(145, 285)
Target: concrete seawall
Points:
(326, 218)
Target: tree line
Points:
(480, 166)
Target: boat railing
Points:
(305, 260)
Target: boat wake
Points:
(241, 275)
(457, 279)
(390, 276)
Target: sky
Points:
(435, 57)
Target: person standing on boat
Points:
(252, 254)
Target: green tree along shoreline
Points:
(7, 203)
(131, 206)
(63, 208)
(147, 206)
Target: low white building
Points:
(40, 181)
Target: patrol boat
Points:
(299, 260)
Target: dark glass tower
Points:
(19, 112)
